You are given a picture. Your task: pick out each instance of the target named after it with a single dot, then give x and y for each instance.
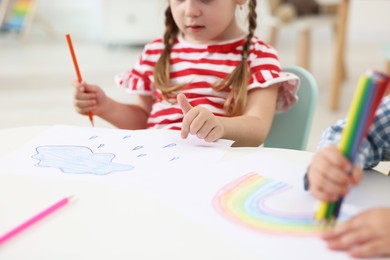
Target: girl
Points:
(206, 77)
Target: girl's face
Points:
(206, 21)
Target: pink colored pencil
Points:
(33, 220)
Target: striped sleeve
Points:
(266, 71)
(139, 79)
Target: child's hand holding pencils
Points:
(370, 90)
(329, 175)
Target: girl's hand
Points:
(329, 174)
(199, 121)
(365, 235)
(88, 98)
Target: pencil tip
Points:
(90, 116)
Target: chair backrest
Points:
(311, 21)
(291, 129)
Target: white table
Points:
(109, 234)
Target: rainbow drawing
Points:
(244, 202)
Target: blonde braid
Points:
(162, 68)
(252, 21)
(238, 79)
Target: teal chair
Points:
(291, 129)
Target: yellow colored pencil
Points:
(347, 134)
(321, 211)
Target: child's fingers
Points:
(84, 87)
(185, 125)
(81, 95)
(374, 247)
(330, 167)
(324, 188)
(79, 85)
(344, 227)
(187, 119)
(357, 175)
(213, 135)
(358, 236)
(329, 174)
(84, 102)
(76, 84)
(335, 177)
(348, 238)
(84, 106)
(188, 126)
(323, 174)
(183, 103)
(323, 195)
(334, 191)
(333, 156)
(79, 89)
(203, 128)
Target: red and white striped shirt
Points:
(199, 66)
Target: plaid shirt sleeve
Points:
(374, 148)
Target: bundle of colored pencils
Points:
(371, 88)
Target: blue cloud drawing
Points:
(78, 159)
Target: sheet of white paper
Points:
(257, 202)
(110, 155)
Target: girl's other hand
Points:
(88, 98)
(365, 235)
(199, 121)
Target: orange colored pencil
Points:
(76, 67)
